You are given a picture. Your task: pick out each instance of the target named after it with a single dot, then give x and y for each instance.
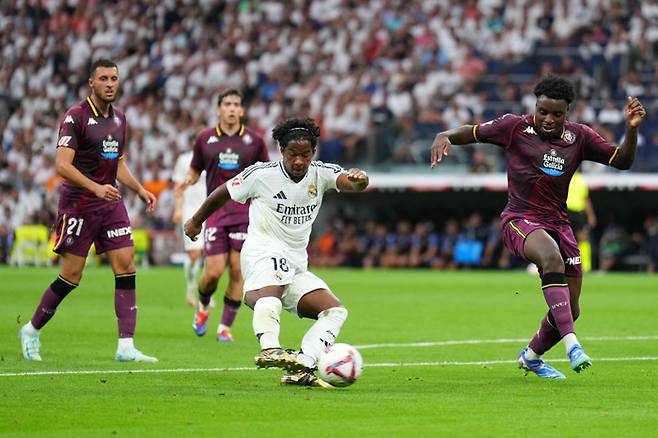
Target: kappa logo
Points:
(212, 139)
(530, 130)
(91, 121)
(69, 119)
(280, 195)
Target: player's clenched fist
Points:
(357, 175)
(192, 229)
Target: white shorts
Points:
(189, 244)
(264, 271)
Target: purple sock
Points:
(125, 304)
(545, 338)
(556, 294)
(231, 308)
(52, 296)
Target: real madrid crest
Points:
(312, 190)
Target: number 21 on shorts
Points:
(74, 226)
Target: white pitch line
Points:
(495, 341)
(372, 365)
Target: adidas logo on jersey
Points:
(92, 121)
(280, 195)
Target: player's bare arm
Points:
(125, 177)
(443, 140)
(352, 180)
(178, 207)
(190, 179)
(635, 114)
(213, 202)
(65, 168)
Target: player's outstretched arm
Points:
(352, 180)
(634, 115)
(213, 202)
(65, 168)
(126, 177)
(443, 140)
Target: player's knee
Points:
(214, 273)
(553, 262)
(339, 313)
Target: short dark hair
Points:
(555, 87)
(228, 92)
(102, 62)
(296, 128)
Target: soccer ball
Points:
(340, 364)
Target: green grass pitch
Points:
(461, 382)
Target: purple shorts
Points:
(107, 228)
(218, 239)
(516, 230)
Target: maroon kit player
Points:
(543, 151)
(223, 151)
(90, 157)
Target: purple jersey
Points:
(223, 156)
(98, 143)
(538, 170)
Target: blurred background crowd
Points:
(381, 77)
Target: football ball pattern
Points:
(340, 364)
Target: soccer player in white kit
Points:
(286, 196)
(186, 204)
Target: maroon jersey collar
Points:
(95, 110)
(219, 131)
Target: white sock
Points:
(125, 343)
(190, 274)
(323, 333)
(222, 327)
(196, 267)
(266, 322)
(569, 341)
(530, 354)
(31, 330)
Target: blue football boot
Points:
(579, 359)
(539, 367)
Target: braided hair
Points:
(295, 129)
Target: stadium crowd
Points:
(381, 77)
(470, 243)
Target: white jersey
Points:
(282, 211)
(195, 194)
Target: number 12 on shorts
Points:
(280, 264)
